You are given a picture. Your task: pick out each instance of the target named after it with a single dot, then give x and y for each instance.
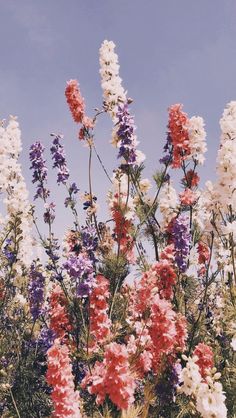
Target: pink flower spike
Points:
(75, 101)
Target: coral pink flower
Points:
(59, 320)
(77, 107)
(168, 253)
(99, 320)
(167, 278)
(75, 100)
(162, 329)
(112, 377)
(59, 376)
(179, 134)
(159, 279)
(181, 330)
(205, 358)
(187, 197)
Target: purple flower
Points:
(46, 339)
(181, 240)
(8, 251)
(166, 387)
(36, 290)
(58, 155)
(89, 240)
(126, 135)
(39, 170)
(168, 149)
(70, 200)
(81, 269)
(49, 214)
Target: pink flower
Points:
(59, 376)
(99, 319)
(187, 197)
(59, 319)
(75, 100)
(205, 358)
(77, 107)
(112, 377)
(178, 134)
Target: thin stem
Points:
(14, 403)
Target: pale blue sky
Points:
(170, 51)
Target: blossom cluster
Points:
(133, 313)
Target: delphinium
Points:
(111, 328)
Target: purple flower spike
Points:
(80, 268)
(36, 291)
(126, 136)
(40, 172)
(58, 155)
(181, 239)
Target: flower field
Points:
(133, 315)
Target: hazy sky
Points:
(170, 51)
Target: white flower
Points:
(210, 401)
(233, 342)
(12, 184)
(145, 185)
(197, 138)
(111, 82)
(190, 377)
(226, 159)
(140, 157)
(168, 202)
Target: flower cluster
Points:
(77, 107)
(80, 269)
(58, 156)
(40, 172)
(36, 290)
(125, 139)
(59, 375)
(208, 393)
(101, 325)
(99, 320)
(112, 377)
(113, 91)
(179, 135)
(180, 237)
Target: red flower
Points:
(191, 178)
(203, 253)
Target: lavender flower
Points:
(181, 239)
(80, 269)
(36, 290)
(39, 168)
(89, 241)
(58, 155)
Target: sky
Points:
(169, 51)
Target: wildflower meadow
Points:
(130, 315)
